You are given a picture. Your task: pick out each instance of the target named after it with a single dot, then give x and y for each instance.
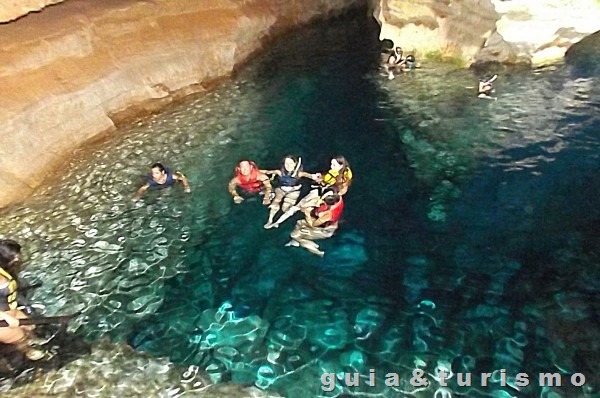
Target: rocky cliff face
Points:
(68, 72)
(13, 9)
(510, 31)
(451, 28)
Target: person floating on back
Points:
(288, 190)
(320, 222)
(160, 177)
(339, 175)
(486, 88)
(249, 180)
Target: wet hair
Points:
(9, 249)
(238, 169)
(294, 158)
(330, 195)
(341, 177)
(158, 166)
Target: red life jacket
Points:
(336, 212)
(249, 183)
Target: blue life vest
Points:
(289, 179)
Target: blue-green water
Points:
(470, 237)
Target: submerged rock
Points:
(129, 374)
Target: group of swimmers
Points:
(396, 62)
(322, 206)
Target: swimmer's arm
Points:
(233, 183)
(11, 320)
(140, 192)
(180, 177)
(323, 218)
(343, 188)
(268, 188)
(276, 172)
(310, 176)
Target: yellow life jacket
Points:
(330, 178)
(11, 289)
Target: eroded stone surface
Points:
(69, 71)
(508, 31)
(13, 9)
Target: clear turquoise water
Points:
(470, 237)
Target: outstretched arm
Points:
(233, 183)
(268, 189)
(140, 192)
(276, 172)
(317, 222)
(180, 177)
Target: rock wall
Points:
(450, 28)
(13, 9)
(475, 31)
(68, 72)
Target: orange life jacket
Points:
(336, 212)
(249, 183)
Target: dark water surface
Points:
(470, 240)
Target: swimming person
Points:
(411, 62)
(160, 177)
(320, 222)
(249, 180)
(485, 88)
(14, 334)
(339, 175)
(288, 190)
(395, 62)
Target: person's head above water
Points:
(398, 50)
(245, 167)
(410, 58)
(289, 163)
(157, 171)
(330, 196)
(10, 254)
(339, 163)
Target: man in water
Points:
(249, 180)
(486, 88)
(161, 177)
